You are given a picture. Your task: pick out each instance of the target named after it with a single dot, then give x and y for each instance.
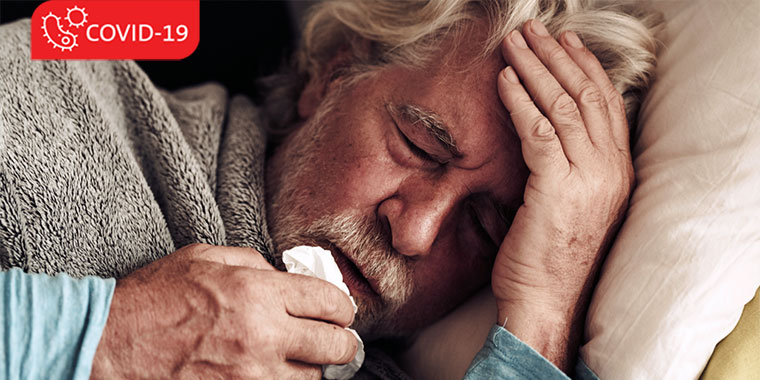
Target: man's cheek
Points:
(364, 182)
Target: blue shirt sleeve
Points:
(503, 356)
(51, 326)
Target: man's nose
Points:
(416, 214)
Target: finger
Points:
(541, 147)
(238, 256)
(550, 97)
(587, 95)
(316, 342)
(594, 70)
(309, 297)
(299, 370)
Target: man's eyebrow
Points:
(432, 123)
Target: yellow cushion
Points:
(736, 356)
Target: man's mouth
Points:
(356, 281)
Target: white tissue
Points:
(318, 262)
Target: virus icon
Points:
(52, 30)
(76, 13)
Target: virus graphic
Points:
(58, 36)
(78, 14)
(62, 39)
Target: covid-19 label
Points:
(118, 29)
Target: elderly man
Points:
(431, 147)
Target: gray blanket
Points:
(102, 173)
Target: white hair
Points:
(386, 32)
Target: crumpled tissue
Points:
(319, 262)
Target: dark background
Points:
(239, 42)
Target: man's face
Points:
(409, 178)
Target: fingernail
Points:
(573, 40)
(510, 75)
(518, 40)
(538, 28)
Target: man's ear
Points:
(311, 97)
(320, 84)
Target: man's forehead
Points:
(462, 93)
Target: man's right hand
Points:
(574, 137)
(222, 312)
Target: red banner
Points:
(118, 29)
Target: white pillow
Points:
(687, 257)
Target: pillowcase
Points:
(687, 259)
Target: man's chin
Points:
(373, 321)
(369, 321)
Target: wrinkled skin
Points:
(545, 139)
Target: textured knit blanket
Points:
(102, 173)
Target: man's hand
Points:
(220, 312)
(574, 136)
